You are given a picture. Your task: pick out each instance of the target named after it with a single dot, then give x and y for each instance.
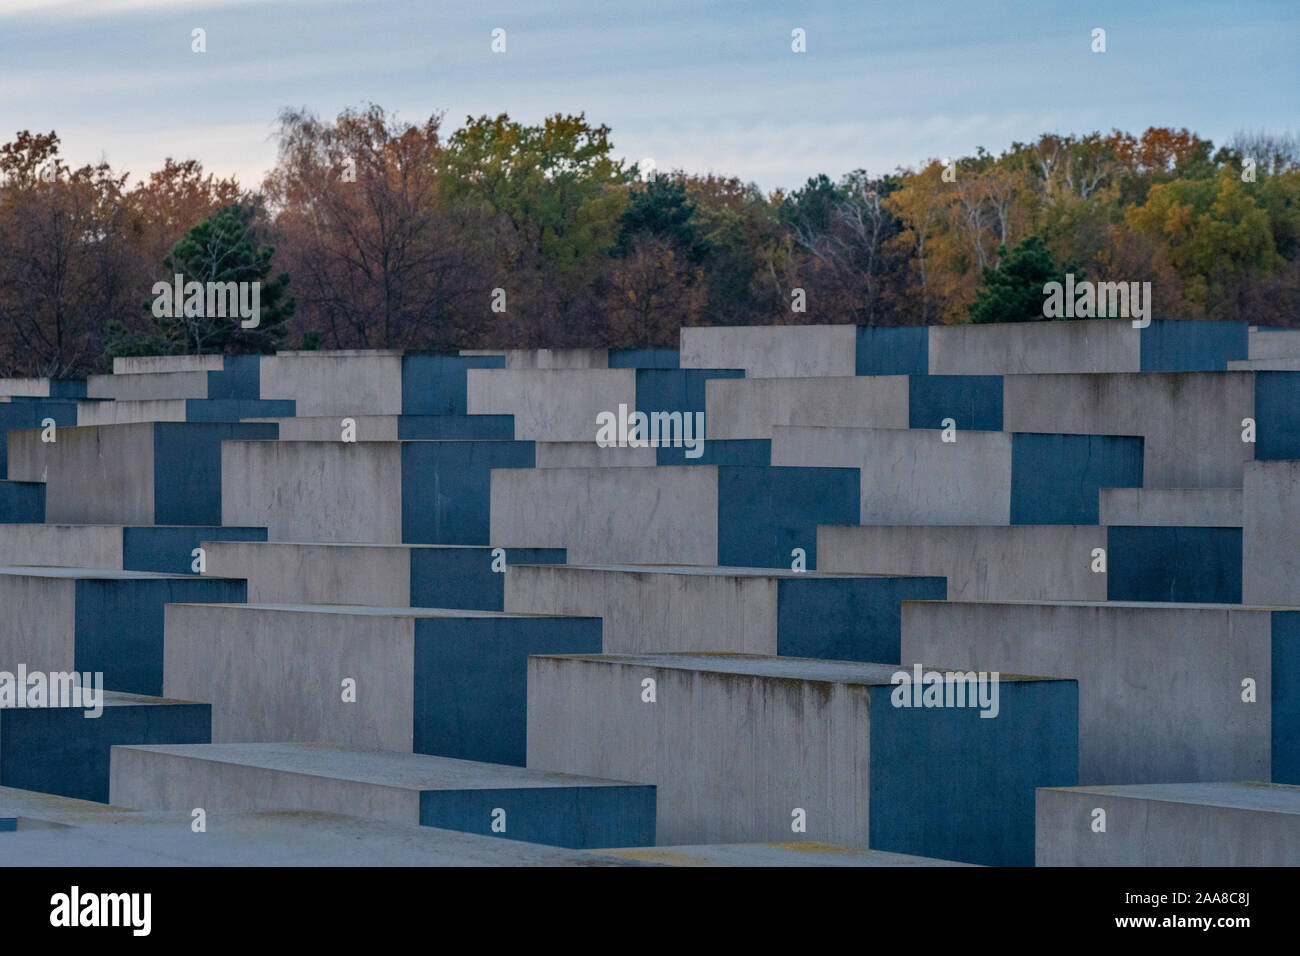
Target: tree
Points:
(222, 249)
(1013, 290)
(379, 259)
(65, 266)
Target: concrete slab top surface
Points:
(276, 838)
(1265, 797)
(782, 668)
(402, 770)
(48, 806)
(99, 574)
(112, 698)
(1143, 605)
(362, 610)
(804, 853)
(385, 545)
(720, 571)
(73, 526)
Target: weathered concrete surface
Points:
(1265, 365)
(1088, 345)
(96, 620)
(1270, 536)
(292, 573)
(434, 681)
(1275, 344)
(911, 476)
(1160, 686)
(1190, 422)
(100, 474)
(395, 427)
(787, 734)
(1172, 507)
(750, 407)
(551, 404)
(26, 387)
(420, 492)
(981, 562)
(690, 514)
(804, 853)
(772, 351)
(60, 750)
(137, 474)
(1188, 824)
(314, 491)
(330, 427)
(587, 454)
(155, 364)
(551, 808)
(548, 358)
(127, 411)
(335, 383)
(167, 549)
(148, 386)
(27, 413)
(396, 575)
(61, 545)
(656, 515)
(649, 609)
(277, 838)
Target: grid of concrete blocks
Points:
(821, 595)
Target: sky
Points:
(701, 86)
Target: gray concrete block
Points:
(61, 545)
(25, 387)
(587, 454)
(1275, 344)
(149, 386)
(1172, 507)
(426, 680)
(551, 404)
(1265, 365)
(750, 407)
(772, 351)
(657, 515)
(911, 476)
(1160, 686)
(98, 474)
(276, 838)
(329, 428)
(547, 358)
(1270, 535)
(1190, 421)
(980, 562)
(650, 609)
(551, 808)
(154, 364)
(128, 411)
(1089, 345)
(335, 383)
(293, 573)
(737, 745)
(314, 491)
(1188, 824)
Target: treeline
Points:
(499, 234)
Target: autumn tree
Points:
(65, 267)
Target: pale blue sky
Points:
(703, 86)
